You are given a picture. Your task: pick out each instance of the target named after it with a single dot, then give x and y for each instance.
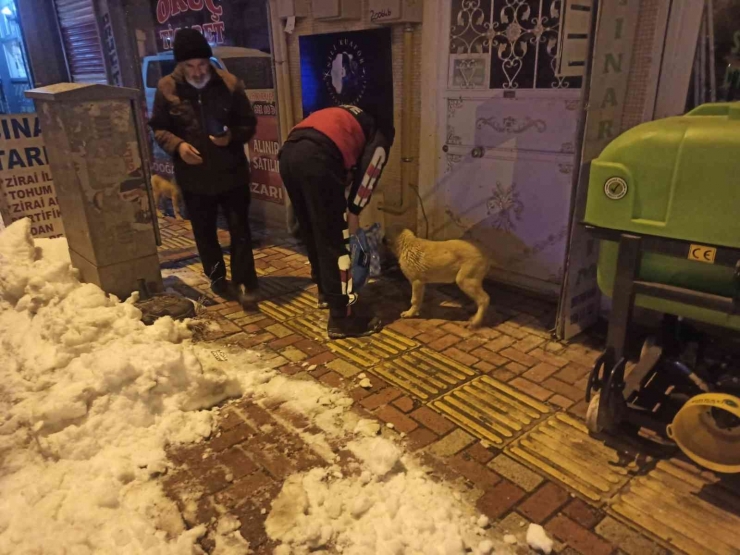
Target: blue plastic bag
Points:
(364, 255)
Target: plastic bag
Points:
(364, 255)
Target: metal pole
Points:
(712, 61)
(696, 100)
(703, 58)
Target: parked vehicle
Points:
(252, 66)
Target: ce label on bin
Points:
(615, 188)
(700, 253)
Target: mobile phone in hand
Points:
(216, 129)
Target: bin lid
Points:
(677, 177)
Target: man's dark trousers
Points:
(203, 212)
(314, 176)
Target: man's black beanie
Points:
(191, 45)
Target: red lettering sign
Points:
(169, 8)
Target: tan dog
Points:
(169, 189)
(456, 261)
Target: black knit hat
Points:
(191, 45)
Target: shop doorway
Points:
(507, 126)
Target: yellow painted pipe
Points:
(408, 161)
(283, 89)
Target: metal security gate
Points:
(82, 46)
(509, 132)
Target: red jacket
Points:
(363, 145)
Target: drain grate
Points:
(424, 373)
(491, 410)
(688, 509)
(562, 448)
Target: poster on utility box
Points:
(26, 187)
(239, 35)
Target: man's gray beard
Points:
(200, 85)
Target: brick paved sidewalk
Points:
(498, 410)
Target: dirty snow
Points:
(90, 398)
(537, 539)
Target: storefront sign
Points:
(109, 45)
(612, 53)
(355, 68)
(173, 15)
(225, 23)
(263, 150)
(26, 186)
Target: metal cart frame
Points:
(618, 401)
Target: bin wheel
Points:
(592, 415)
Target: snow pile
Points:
(537, 539)
(389, 505)
(90, 398)
(405, 512)
(378, 454)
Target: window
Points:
(156, 69)
(507, 44)
(14, 73)
(256, 72)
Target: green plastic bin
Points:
(677, 178)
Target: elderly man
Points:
(202, 118)
(324, 152)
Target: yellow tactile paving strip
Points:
(561, 448)
(491, 410)
(197, 267)
(424, 373)
(288, 307)
(688, 509)
(311, 324)
(278, 286)
(173, 243)
(367, 352)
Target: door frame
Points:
(432, 159)
(679, 44)
(433, 62)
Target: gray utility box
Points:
(389, 12)
(95, 151)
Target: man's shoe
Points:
(322, 304)
(247, 297)
(353, 326)
(222, 288)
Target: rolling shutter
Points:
(82, 46)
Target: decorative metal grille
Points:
(520, 37)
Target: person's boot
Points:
(321, 303)
(353, 325)
(222, 288)
(247, 297)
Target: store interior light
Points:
(7, 11)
